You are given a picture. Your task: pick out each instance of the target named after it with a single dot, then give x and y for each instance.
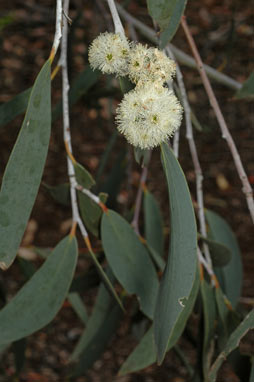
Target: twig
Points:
(138, 200)
(247, 190)
(194, 156)
(209, 269)
(176, 143)
(58, 32)
(116, 19)
(181, 57)
(66, 124)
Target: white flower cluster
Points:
(149, 114)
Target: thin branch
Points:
(194, 156)
(58, 32)
(181, 57)
(176, 143)
(138, 201)
(247, 190)
(116, 19)
(66, 123)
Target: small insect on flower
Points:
(109, 53)
(149, 64)
(149, 115)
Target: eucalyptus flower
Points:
(149, 64)
(148, 115)
(109, 53)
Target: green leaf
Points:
(145, 352)
(157, 259)
(129, 260)
(99, 342)
(179, 274)
(247, 89)
(60, 193)
(90, 211)
(142, 156)
(168, 15)
(78, 306)
(220, 254)
(24, 169)
(83, 177)
(113, 182)
(209, 309)
(17, 105)
(223, 313)
(232, 343)
(231, 275)
(38, 301)
(153, 223)
(101, 309)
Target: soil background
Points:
(223, 31)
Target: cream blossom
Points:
(109, 53)
(149, 64)
(148, 115)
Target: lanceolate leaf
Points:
(179, 274)
(145, 352)
(17, 105)
(38, 301)
(168, 15)
(230, 276)
(209, 316)
(101, 310)
(220, 254)
(232, 343)
(98, 343)
(153, 223)
(23, 173)
(129, 260)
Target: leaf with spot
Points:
(24, 169)
(179, 274)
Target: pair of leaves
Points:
(24, 170)
(168, 15)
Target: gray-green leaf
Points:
(179, 274)
(24, 169)
(38, 301)
(129, 260)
